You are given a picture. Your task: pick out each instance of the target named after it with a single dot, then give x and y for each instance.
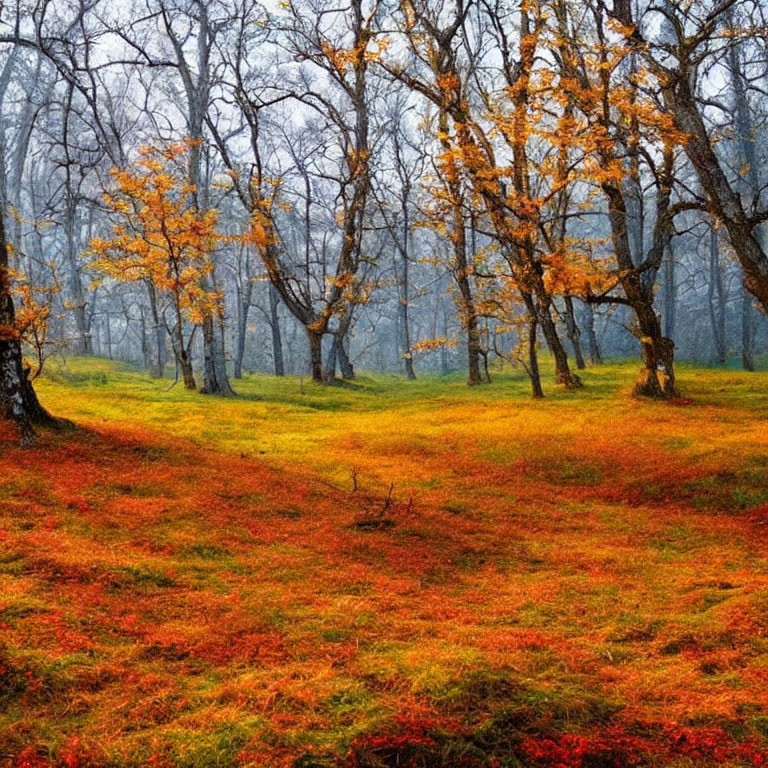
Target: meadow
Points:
(386, 573)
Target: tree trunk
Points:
(669, 305)
(277, 339)
(533, 360)
(747, 332)
(444, 348)
(474, 375)
(405, 334)
(410, 373)
(563, 373)
(181, 354)
(197, 85)
(467, 309)
(486, 367)
(82, 344)
(187, 373)
(315, 355)
(341, 343)
(239, 352)
(210, 384)
(243, 308)
(595, 356)
(345, 364)
(18, 401)
(159, 328)
(220, 355)
(329, 370)
(573, 331)
(716, 299)
(745, 132)
(109, 335)
(13, 381)
(215, 378)
(462, 268)
(338, 354)
(145, 355)
(404, 330)
(657, 377)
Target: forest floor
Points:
(386, 574)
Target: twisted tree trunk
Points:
(18, 400)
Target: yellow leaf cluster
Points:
(159, 235)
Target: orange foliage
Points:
(160, 235)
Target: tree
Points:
(395, 203)
(197, 87)
(164, 239)
(477, 130)
(690, 38)
(600, 78)
(18, 400)
(343, 54)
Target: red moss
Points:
(167, 564)
(30, 757)
(583, 751)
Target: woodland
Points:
(383, 383)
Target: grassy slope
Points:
(580, 581)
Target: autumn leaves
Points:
(161, 237)
(539, 129)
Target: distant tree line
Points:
(219, 186)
